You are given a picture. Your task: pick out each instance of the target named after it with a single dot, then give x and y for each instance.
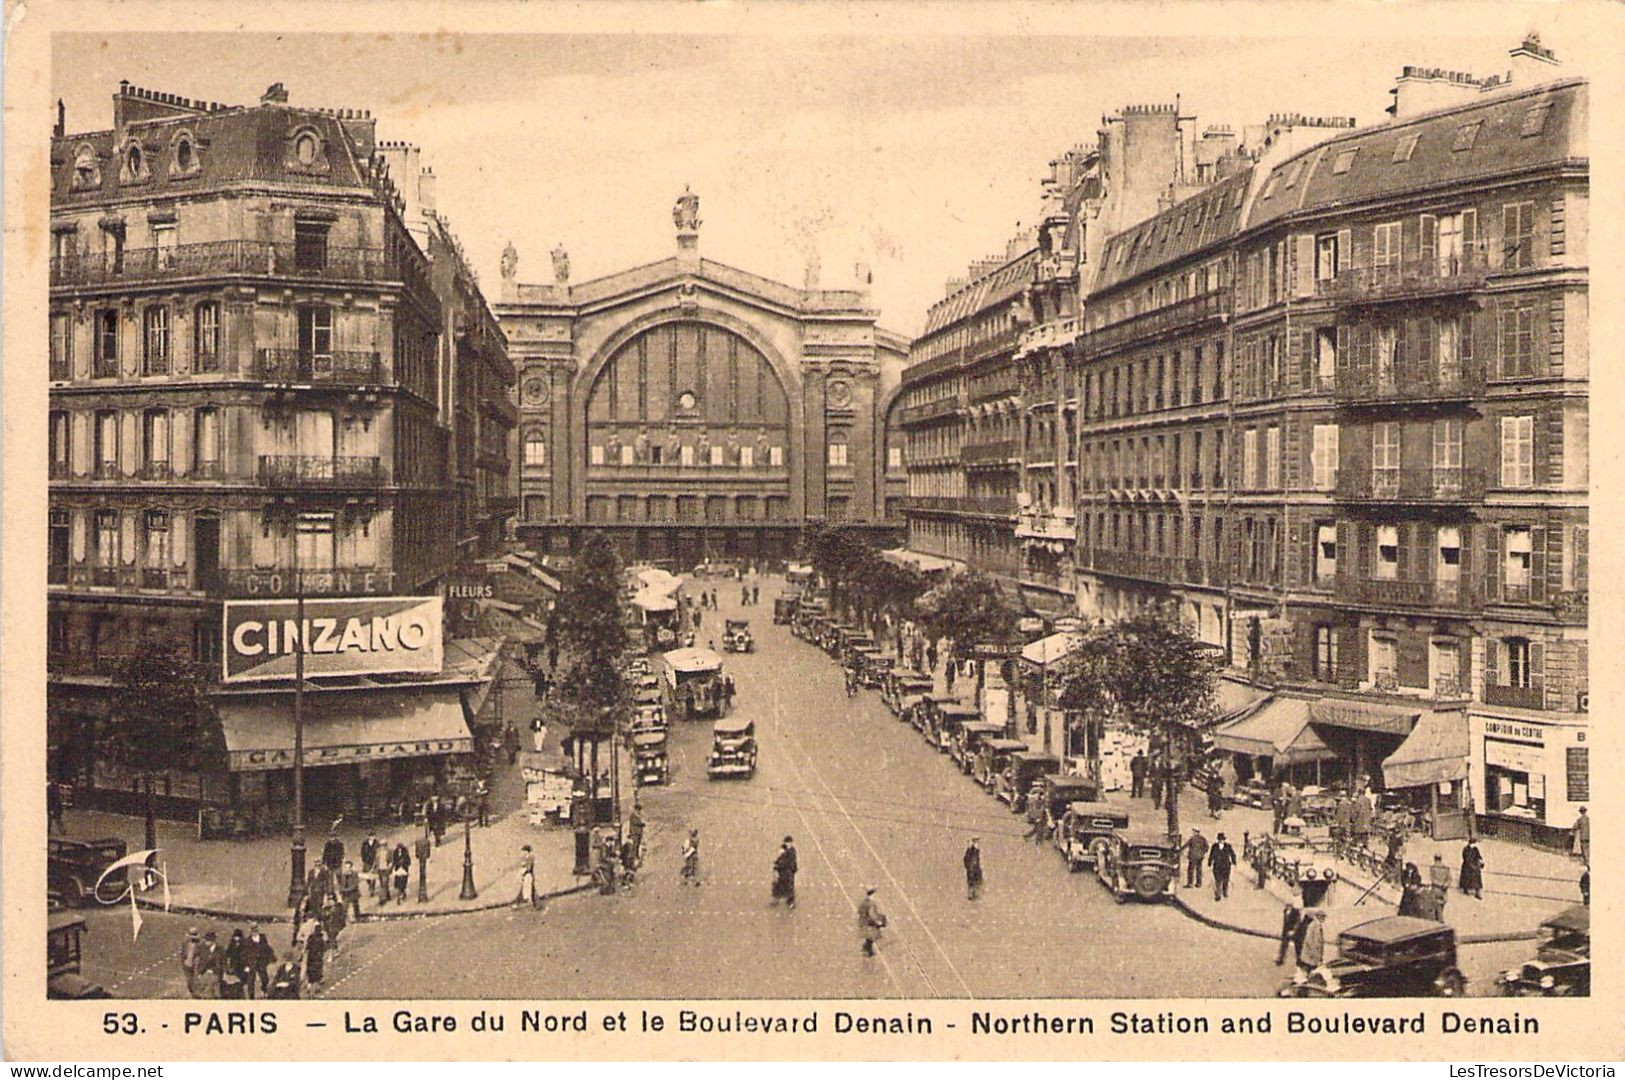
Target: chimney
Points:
(1423, 89)
(426, 186)
(275, 94)
(61, 127)
(1532, 63)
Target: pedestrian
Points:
(1471, 877)
(316, 955)
(1222, 858)
(527, 877)
(1312, 948)
(369, 862)
(714, 606)
(333, 850)
(233, 968)
(334, 920)
(510, 742)
(1215, 795)
(931, 657)
(871, 921)
(482, 801)
(1291, 927)
(538, 734)
(285, 982)
(755, 595)
(1585, 886)
(691, 858)
(1277, 809)
(948, 676)
(1582, 836)
(1410, 891)
(1439, 883)
(350, 888)
(400, 871)
(973, 870)
(209, 962)
(421, 848)
(1157, 780)
(1137, 769)
(744, 596)
(1195, 854)
(634, 828)
(53, 807)
(784, 874)
(552, 656)
(191, 956)
(260, 954)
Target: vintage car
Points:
(917, 709)
(638, 667)
(1562, 963)
(736, 636)
(902, 682)
(647, 718)
(1024, 769)
(733, 749)
(855, 646)
(872, 668)
(784, 607)
(649, 762)
(1060, 791)
(647, 691)
(968, 740)
(1142, 862)
(74, 866)
(798, 574)
(992, 755)
(694, 683)
(716, 568)
(1394, 956)
(63, 931)
(945, 719)
(1085, 831)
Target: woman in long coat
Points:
(315, 954)
(1471, 877)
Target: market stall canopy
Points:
(652, 600)
(1279, 730)
(688, 660)
(1434, 751)
(1050, 649)
(1236, 698)
(344, 728)
(1364, 716)
(655, 580)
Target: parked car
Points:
(733, 749)
(736, 636)
(63, 959)
(1394, 956)
(1085, 831)
(1140, 862)
(649, 757)
(74, 866)
(1562, 964)
(1020, 773)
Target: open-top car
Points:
(1141, 862)
(733, 749)
(647, 718)
(649, 760)
(1085, 831)
(736, 636)
(1394, 956)
(872, 669)
(1562, 964)
(1020, 773)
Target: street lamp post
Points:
(468, 891)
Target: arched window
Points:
(536, 447)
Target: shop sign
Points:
(282, 758)
(349, 636)
(1519, 757)
(1510, 729)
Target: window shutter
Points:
(1346, 539)
(1469, 230)
(1464, 338)
(1427, 344)
(1350, 658)
(78, 536)
(1404, 570)
(1509, 449)
(1492, 662)
(1367, 544)
(1582, 560)
(1505, 329)
(1306, 358)
(1303, 270)
(1554, 560)
(1402, 335)
(1429, 230)
(1537, 665)
(1492, 562)
(1345, 356)
(177, 537)
(1537, 565)
(1345, 250)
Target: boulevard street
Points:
(869, 804)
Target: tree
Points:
(592, 636)
(1150, 672)
(837, 556)
(159, 720)
(971, 609)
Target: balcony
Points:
(327, 471)
(1412, 486)
(1168, 569)
(930, 410)
(978, 505)
(1003, 388)
(1408, 387)
(1457, 596)
(302, 367)
(1046, 526)
(248, 258)
(1184, 315)
(1408, 280)
(1515, 697)
(1001, 452)
(238, 582)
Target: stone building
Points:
(253, 384)
(690, 410)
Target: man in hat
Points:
(258, 956)
(784, 874)
(1439, 881)
(871, 920)
(1222, 858)
(1292, 927)
(973, 869)
(527, 877)
(333, 851)
(191, 953)
(210, 963)
(1582, 836)
(370, 850)
(1195, 855)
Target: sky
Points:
(914, 154)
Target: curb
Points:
(1234, 928)
(370, 917)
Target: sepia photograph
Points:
(832, 518)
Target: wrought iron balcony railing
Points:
(1408, 280)
(1412, 485)
(322, 471)
(336, 368)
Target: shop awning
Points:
(1434, 751)
(651, 600)
(1280, 730)
(657, 581)
(344, 728)
(1235, 697)
(1050, 649)
(1364, 716)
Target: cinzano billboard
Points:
(350, 636)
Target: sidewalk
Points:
(1522, 886)
(249, 878)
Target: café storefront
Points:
(1528, 776)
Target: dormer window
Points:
(305, 148)
(87, 169)
(184, 158)
(1406, 147)
(132, 158)
(307, 151)
(1466, 136)
(1345, 161)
